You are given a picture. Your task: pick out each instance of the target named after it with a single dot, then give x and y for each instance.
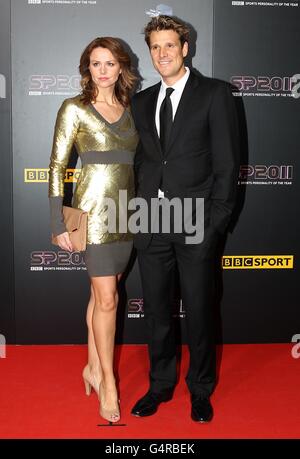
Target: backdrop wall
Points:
(250, 45)
(254, 49)
(7, 309)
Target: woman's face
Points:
(104, 68)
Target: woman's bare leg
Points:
(93, 371)
(105, 291)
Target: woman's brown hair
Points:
(126, 80)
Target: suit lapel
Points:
(179, 120)
(151, 109)
(183, 107)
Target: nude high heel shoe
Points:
(90, 381)
(111, 415)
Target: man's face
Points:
(167, 55)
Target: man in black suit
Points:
(188, 149)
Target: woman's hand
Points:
(64, 241)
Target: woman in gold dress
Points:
(99, 123)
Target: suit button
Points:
(165, 162)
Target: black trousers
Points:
(196, 266)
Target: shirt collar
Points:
(180, 84)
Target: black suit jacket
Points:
(202, 155)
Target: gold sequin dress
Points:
(107, 153)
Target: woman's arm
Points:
(65, 132)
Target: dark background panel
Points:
(45, 297)
(7, 312)
(51, 303)
(262, 305)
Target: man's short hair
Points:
(164, 22)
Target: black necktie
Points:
(165, 119)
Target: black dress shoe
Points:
(201, 409)
(148, 404)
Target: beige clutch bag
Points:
(76, 224)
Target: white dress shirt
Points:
(175, 99)
(175, 96)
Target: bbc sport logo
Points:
(258, 262)
(41, 175)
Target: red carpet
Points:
(42, 395)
